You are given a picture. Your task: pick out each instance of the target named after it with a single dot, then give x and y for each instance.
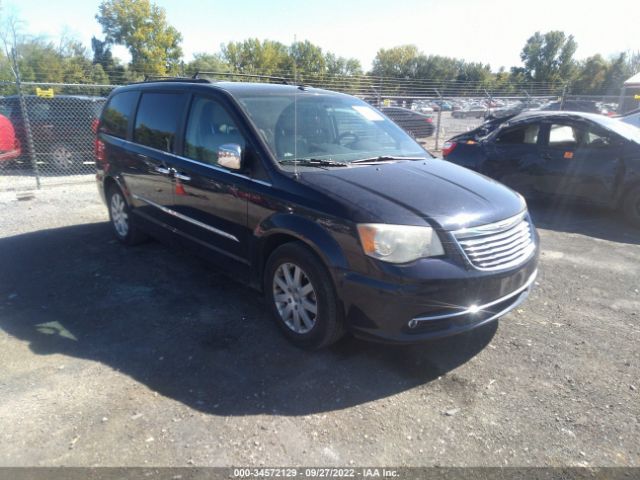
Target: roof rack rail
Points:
(161, 78)
(282, 80)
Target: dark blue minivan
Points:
(320, 202)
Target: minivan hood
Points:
(412, 192)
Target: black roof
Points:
(233, 88)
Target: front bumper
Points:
(447, 300)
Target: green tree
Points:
(591, 75)
(76, 64)
(436, 67)
(142, 27)
(633, 62)
(98, 75)
(309, 60)
(597, 75)
(396, 62)
(549, 57)
(255, 57)
(206, 62)
(474, 78)
(110, 66)
(618, 71)
(502, 82)
(342, 66)
(40, 61)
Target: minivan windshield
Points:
(327, 129)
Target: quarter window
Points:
(115, 117)
(208, 128)
(157, 120)
(594, 139)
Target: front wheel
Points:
(302, 297)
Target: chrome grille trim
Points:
(499, 245)
(526, 235)
(475, 309)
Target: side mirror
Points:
(230, 156)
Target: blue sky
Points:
(487, 31)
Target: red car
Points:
(9, 143)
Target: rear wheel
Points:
(302, 298)
(65, 158)
(631, 206)
(122, 222)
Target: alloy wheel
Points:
(119, 215)
(295, 298)
(62, 157)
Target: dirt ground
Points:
(146, 356)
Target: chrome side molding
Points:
(414, 322)
(193, 221)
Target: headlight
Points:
(398, 243)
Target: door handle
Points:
(162, 170)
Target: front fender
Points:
(317, 235)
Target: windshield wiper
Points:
(313, 162)
(386, 158)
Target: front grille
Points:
(498, 245)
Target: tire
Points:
(65, 158)
(292, 303)
(121, 219)
(631, 206)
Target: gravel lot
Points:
(146, 356)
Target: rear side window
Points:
(596, 139)
(563, 136)
(115, 117)
(157, 120)
(39, 112)
(524, 135)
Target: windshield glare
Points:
(327, 127)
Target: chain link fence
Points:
(47, 131)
